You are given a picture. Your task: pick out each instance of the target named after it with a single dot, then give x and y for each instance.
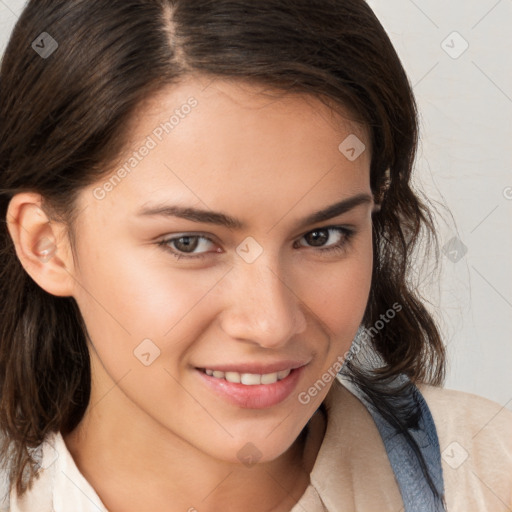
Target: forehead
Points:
(216, 141)
(239, 115)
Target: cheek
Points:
(341, 293)
(127, 296)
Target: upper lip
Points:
(257, 368)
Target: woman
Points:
(209, 231)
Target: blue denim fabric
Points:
(416, 493)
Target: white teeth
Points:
(249, 379)
(269, 378)
(282, 374)
(232, 377)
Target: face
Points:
(205, 255)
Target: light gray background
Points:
(464, 162)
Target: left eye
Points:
(318, 237)
(185, 246)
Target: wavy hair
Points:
(64, 119)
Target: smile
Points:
(251, 390)
(249, 379)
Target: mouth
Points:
(251, 390)
(248, 379)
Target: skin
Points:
(155, 437)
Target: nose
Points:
(262, 306)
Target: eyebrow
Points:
(222, 219)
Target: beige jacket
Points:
(352, 470)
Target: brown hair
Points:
(64, 119)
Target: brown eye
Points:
(186, 243)
(184, 246)
(318, 238)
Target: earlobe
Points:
(41, 244)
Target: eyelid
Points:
(329, 226)
(194, 234)
(348, 232)
(213, 238)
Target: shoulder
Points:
(4, 490)
(471, 418)
(4, 479)
(474, 406)
(475, 438)
(38, 494)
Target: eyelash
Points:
(338, 248)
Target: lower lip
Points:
(259, 396)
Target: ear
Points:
(41, 244)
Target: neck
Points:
(133, 468)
